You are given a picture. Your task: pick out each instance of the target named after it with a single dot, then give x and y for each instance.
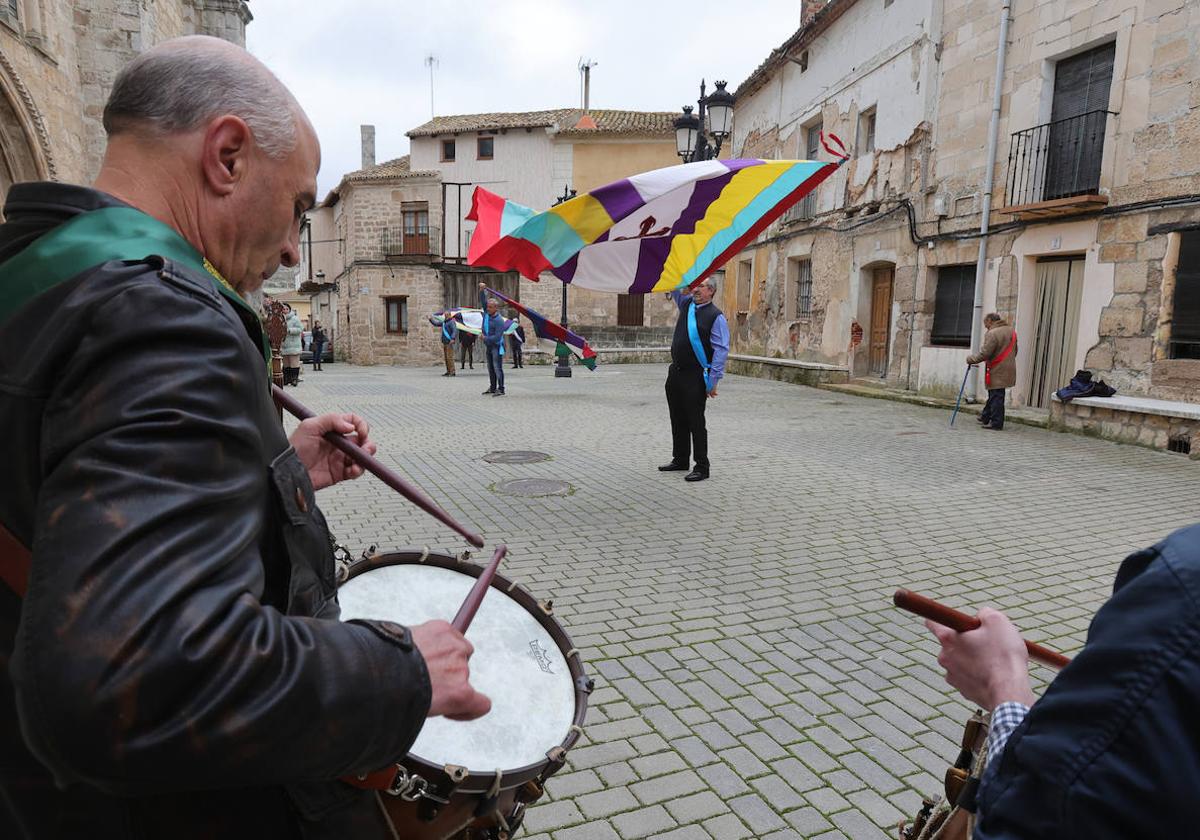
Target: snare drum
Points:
(472, 780)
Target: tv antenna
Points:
(431, 61)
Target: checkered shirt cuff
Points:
(1005, 718)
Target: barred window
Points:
(801, 287)
(954, 302)
(1185, 318)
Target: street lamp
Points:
(563, 368)
(692, 132)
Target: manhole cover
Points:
(533, 487)
(515, 457)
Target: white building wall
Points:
(520, 170)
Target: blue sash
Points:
(446, 334)
(486, 332)
(697, 345)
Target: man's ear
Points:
(225, 156)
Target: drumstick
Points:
(475, 597)
(955, 620)
(371, 464)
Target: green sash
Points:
(94, 238)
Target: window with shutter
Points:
(1185, 318)
(812, 151)
(1078, 118)
(953, 304)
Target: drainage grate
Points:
(1180, 443)
(515, 456)
(533, 487)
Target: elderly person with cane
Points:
(999, 353)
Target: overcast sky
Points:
(363, 61)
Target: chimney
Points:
(368, 146)
(808, 8)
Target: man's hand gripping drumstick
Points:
(446, 651)
(984, 656)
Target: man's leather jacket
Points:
(176, 667)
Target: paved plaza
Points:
(752, 677)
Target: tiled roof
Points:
(802, 37)
(564, 119)
(398, 168)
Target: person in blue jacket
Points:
(493, 341)
(1112, 748)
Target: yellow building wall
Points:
(597, 164)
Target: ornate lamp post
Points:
(692, 131)
(563, 367)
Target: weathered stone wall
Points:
(367, 341)
(1153, 430)
(59, 59)
(1151, 151)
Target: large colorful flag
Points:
(552, 334)
(471, 320)
(655, 232)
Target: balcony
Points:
(402, 245)
(1054, 169)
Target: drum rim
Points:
(477, 782)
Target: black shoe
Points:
(445, 374)
(981, 420)
(695, 475)
(489, 391)
(499, 393)
(672, 467)
(992, 428)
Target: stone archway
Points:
(24, 143)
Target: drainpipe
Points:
(989, 179)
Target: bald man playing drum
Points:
(175, 666)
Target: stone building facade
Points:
(58, 60)
(376, 238)
(531, 157)
(1093, 250)
(829, 282)
(390, 242)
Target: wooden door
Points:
(631, 310)
(881, 320)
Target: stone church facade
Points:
(58, 61)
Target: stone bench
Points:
(1159, 424)
(607, 355)
(795, 371)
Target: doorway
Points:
(1059, 293)
(881, 320)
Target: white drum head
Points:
(516, 663)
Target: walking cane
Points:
(958, 402)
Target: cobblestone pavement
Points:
(753, 679)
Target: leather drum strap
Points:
(15, 561)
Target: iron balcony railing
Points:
(401, 242)
(1060, 159)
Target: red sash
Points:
(1012, 345)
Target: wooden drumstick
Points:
(372, 465)
(470, 604)
(955, 620)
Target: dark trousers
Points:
(495, 367)
(515, 346)
(465, 352)
(318, 350)
(993, 409)
(686, 399)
